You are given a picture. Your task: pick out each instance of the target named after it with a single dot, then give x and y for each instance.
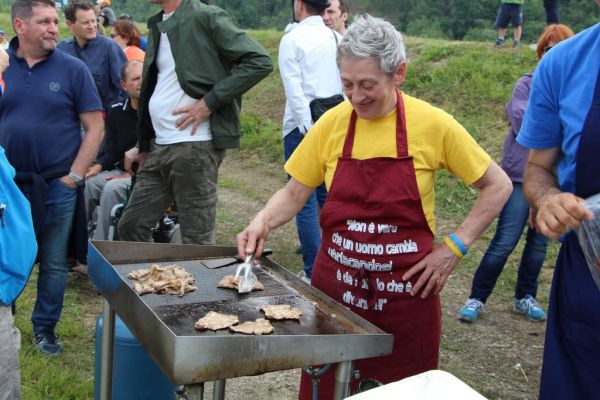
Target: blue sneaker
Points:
(470, 311)
(47, 343)
(528, 306)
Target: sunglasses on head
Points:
(547, 48)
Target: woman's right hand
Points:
(252, 238)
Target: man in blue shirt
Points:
(50, 96)
(103, 56)
(562, 129)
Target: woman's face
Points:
(371, 91)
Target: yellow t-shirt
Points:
(435, 141)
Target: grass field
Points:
(467, 79)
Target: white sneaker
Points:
(303, 277)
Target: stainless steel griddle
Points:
(164, 324)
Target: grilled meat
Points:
(281, 311)
(229, 282)
(259, 327)
(171, 279)
(215, 321)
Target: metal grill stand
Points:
(329, 332)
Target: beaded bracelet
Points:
(453, 247)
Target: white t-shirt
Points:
(168, 96)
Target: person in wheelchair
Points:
(106, 179)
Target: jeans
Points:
(512, 220)
(52, 279)
(307, 220)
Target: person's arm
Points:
(291, 75)
(280, 209)
(93, 125)
(251, 62)
(556, 211)
(494, 189)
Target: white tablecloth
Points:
(430, 385)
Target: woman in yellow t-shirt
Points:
(378, 153)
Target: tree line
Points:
(443, 19)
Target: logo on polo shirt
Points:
(54, 86)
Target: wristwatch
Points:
(79, 180)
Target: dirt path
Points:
(499, 356)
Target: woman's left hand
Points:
(436, 267)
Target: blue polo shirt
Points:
(105, 59)
(39, 111)
(561, 96)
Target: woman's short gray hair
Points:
(371, 37)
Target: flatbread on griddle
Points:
(259, 327)
(229, 282)
(281, 311)
(215, 321)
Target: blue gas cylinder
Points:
(135, 375)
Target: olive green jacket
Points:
(214, 60)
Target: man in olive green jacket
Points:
(196, 68)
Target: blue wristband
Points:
(463, 249)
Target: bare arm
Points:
(494, 189)
(557, 211)
(93, 125)
(280, 209)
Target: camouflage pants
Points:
(182, 172)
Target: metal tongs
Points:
(247, 277)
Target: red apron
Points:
(374, 230)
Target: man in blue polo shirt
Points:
(103, 56)
(562, 129)
(50, 96)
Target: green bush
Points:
(261, 137)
